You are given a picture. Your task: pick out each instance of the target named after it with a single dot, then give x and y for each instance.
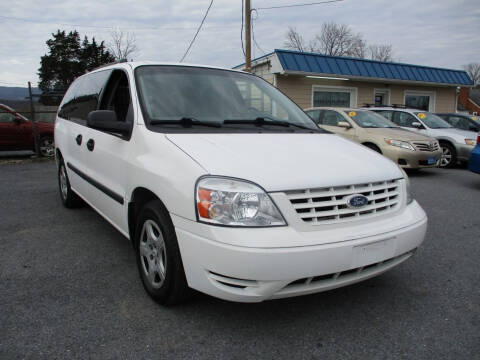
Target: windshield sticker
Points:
(352, 113)
(422, 116)
(474, 118)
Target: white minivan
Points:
(225, 186)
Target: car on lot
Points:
(461, 121)
(405, 148)
(241, 199)
(16, 133)
(456, 144)
(474, 162)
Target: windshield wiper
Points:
(186, 122)
(261, 121)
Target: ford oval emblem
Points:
(356, 201)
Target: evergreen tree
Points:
(67, 59)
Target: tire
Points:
(373, 147)
(47, 146)
(69, 198)
(158, 257)
(449, 156)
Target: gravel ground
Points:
(69, 288)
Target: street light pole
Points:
(32, 119)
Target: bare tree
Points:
(294, 40)
(473, 70)
(339, 40)
(123, 45)
(382, 52)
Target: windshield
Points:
(215, 100)
(369, 119)
(432, 121)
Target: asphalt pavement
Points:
(69, 288)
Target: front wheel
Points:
(449, 155)
(47, 147)
(158, 256)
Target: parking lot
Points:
(69, 288)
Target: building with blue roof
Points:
(312, 79)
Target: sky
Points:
(442, 33)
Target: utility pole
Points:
(32, 119)
(248, 40)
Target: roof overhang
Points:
(370, 79)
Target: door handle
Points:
(90, 144)
(78, 139)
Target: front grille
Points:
(429, 146)
(329, 205)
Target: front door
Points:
(14, 133)
(329, 120)
(107, 155)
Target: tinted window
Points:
(117, 97)
(313, 114)
(82, 96)
(404, 119)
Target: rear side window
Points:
(314, 114)
(404, 119)
(82, 96)
(386, 114)
(331, 118)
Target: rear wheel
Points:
(158, 256)
(47, 147)
(449, 155)
(68, 197)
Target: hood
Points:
(398, 134)
(280, 162)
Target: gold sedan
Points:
(405, 148)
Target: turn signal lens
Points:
(470, 142)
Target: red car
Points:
(16, 133)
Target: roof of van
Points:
(135, 64)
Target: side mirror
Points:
(18, 119)
(106, 120)
(344, 124)
(417, 125)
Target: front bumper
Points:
(474, 162)
(463, 151)
(251, 274)
(408, 159)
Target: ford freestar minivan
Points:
(225, 186)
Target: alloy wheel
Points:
(446, 157)
(63, 182)
(47, 148)
(153, 254)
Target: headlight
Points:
(232, 202)
(407, 183)
(399, 143)
(471, 142)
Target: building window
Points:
(381, 97)
(420, 100)
(334, 96)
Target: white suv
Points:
(456, 144)
(224, 185)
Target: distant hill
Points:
(16, 93)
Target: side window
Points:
(117, 97)
(314, 115)
(459, 122)
(386, 114)
(331, 118)
(83, 96)
(6, 117)
(404, 119)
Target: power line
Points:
(253, 33)
(198, 30)
(297, 5)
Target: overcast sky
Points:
(443, 33)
